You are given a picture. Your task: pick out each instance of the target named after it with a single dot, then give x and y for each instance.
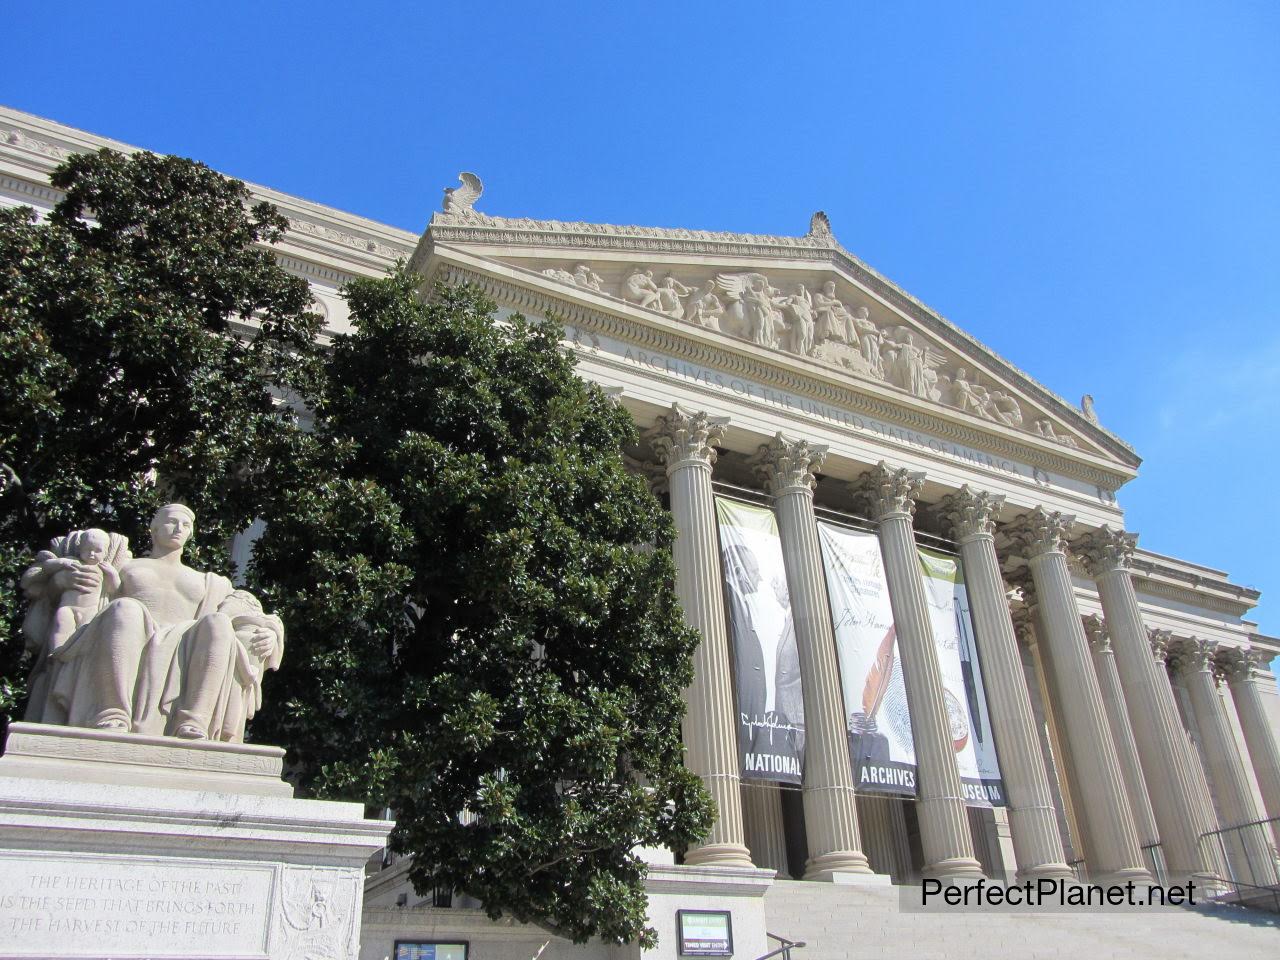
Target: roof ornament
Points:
(1086, 407)
(820, 227)
(461, 200)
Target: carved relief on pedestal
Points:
(317, 914)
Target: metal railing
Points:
(1078, 868)
(1153, 858)
(1247, 895)
(785, 948)
(1248, 851)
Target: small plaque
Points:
(705, 933)
(431, 950)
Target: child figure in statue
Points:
(77, 606)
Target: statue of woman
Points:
(175, 652)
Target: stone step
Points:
(868, 923)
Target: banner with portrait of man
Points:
(766, 662)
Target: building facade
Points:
(1124, 695)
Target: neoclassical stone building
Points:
(1129, 697)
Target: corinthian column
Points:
(1104, 664)
(1249, 850)
(684, 443)
(1111, 840)
(1242, 669)
(1152, 711)
(944, 823)
(830, 806)
(1032, 818)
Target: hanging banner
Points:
(880, 745)
(965, 698)
(766, 663)
(881, 748)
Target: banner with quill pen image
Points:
(766, 662)
(881, 749)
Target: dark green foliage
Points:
(118, 360)
(479, 637)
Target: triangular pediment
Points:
(799, 298)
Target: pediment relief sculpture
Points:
(807, 319)
(144, 644)
(818, 323)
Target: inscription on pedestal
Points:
(124, 906)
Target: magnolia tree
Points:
(484, 634)
(120, 361)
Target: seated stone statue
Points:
(169, 651)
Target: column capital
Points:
(888, 492)
(1024, 624)
(1095, 628)
(1194, 656)
(1105, 550)
(970, 513)
(653, 474)
(682, 437)
(788, 465)
(1243, 664)
(1042, 531)
(1160, 640)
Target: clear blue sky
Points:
(1092, 189)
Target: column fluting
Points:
(1152, 712)
(830, 804)
(1243, 666)
(1112, 849)
(1104, 664)
(685, 443)
(944, 823)
(1032, 817)
(1248, 850)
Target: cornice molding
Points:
(646, 332)
(1190, 596)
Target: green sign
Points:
(705, 933)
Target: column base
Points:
(1046, 871)
(824, 867)
(1139, 875)
(719, 855)
(954, 870)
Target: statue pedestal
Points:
(120, 845)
